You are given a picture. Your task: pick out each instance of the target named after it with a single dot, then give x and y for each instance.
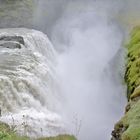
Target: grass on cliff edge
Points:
(7, 134)
(130, 123)
(60, 137)
(132, 75)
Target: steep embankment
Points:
(128, 128)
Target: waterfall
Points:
(74, 86)
(27, 82)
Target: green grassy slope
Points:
(7, 134)
(128, 128)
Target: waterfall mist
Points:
(90, 66)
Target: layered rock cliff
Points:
(128, 128)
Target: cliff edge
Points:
(128, 128)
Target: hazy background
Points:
(90, 66)
(44, 14)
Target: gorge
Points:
(62, 67)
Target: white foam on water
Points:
(28, 86)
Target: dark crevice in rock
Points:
(118, 131)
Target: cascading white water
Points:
(79, 88)
(28, 84)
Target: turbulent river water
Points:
(73, 86)
(28, 84)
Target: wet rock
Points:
(11, 45)
(18, 39)
(118, 131)
(127, 108)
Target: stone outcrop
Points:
(11, 42)
(128, 128)
(18, 39)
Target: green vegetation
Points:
(61, 137)
(7, 134)
(128, 128)
(132, 75)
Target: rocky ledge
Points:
(11, 42)
(128, 128)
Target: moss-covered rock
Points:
(132, 76)
(128, 128)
